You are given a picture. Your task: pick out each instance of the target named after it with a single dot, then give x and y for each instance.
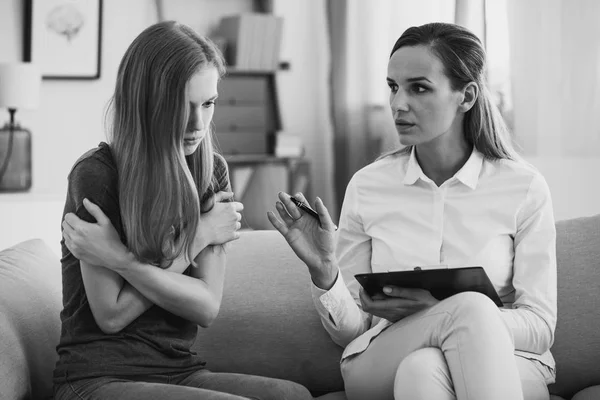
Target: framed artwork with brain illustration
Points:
(64, 37)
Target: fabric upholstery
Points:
(268, 324)
(30, 303)
(577, 341)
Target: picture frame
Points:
(64, 37)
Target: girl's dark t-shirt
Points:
(158, 341)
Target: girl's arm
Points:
(113, 301)
(196, 298)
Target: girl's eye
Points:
(208, 104)
(393, 87)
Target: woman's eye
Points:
(419, 89)
(393, 88)
(208, 104)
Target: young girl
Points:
(457, 195)
(139, 211)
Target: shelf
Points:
(258, 159)
(233, 70)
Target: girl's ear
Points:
(469, 95)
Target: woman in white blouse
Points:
(457, 195)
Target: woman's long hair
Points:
(147, 119)
(464, 61)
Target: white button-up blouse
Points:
(494, 214)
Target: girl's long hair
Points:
(159, 195)
(464, 60)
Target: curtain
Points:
(555, 73)
(555, 64)
(471, 15)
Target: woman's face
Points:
(423, 103)
(202, 93)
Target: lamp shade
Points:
(19, 85)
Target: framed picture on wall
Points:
(64, 37)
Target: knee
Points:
(419, 366)
(422, 373)
(476, 307)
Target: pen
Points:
(306, 208)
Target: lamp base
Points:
(17, 177)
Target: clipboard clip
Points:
(423, 267)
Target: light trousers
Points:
(458, 349)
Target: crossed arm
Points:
(120, 288)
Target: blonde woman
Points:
(139, 211)
(457, 195)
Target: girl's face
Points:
(202, 93)
(423, 103)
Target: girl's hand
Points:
(94, 243)
(397, 302)
(312, 240)
(221, 221)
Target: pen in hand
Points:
(306, 209)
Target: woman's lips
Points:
(402, 126)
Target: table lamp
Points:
(19, 89)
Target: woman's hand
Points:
(94, 243)
(397, 302)
(312, 240)
(220, 220)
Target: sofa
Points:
(267, 324)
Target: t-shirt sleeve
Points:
(93, 179)
(221, 174)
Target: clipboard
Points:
(441, 282)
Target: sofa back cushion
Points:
(577, 341)
(30, 304)
(268, 324)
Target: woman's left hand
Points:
(94, 243)
(397, 302)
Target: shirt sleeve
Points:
(222, 174)
(532, 318)
(93, 179)
(339, 307)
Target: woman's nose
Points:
(399, 101)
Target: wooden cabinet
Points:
(247, 116)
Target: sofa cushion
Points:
(268, 325)
(577, 342)
(30, 304)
